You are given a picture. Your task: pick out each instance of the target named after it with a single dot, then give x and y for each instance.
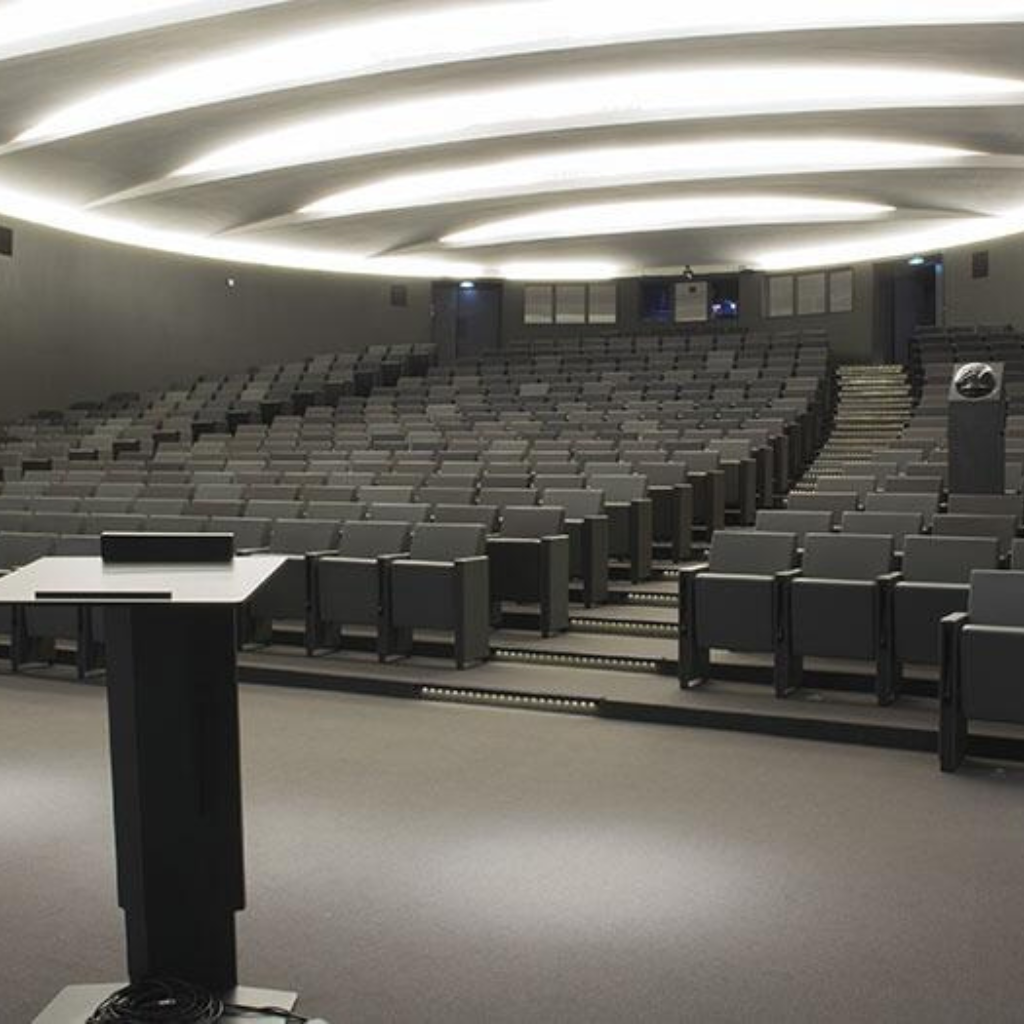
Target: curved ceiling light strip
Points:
(617, 166)
(593, 102)
(470, 32)
(34, 26)
(65, 217)
(645, 215)
(895, 245)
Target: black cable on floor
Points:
(159, 1001)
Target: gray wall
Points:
(80, 319)
(997, 299)
(852, 334)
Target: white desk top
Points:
(89, 581)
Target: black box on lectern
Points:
(167, 548)
(977, 429)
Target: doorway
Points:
(466, 317)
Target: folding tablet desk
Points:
(173, 705)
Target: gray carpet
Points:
(422, 863)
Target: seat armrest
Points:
(890, 579)
(471, 560)
(950, 639)
(788, 574)
(242, 552)
(693, 570)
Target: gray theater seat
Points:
(505, 496)
(481, 515)
(987, 505)
(837, 608)
(779, 520)
(982, 650)
(160, 506)
(530, 564)
(398, 512)
(350, 587)
(859, 485)
(250, 534)
(42, 628)
(445, 585)
(934, 584)
(587, 526)
(18, 550)
(672, 505)
(835, 502)
(887, 524)
(286, 596)
(630, 522)
(1003, 528)
(735, 602)
(927, 505)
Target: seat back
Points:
(784, 520)
(620, 489)
(503, 497)
(299, 536)
(482, 515)
(986, 505)
(270, 508)
(18, 549)
(663, 474)
(398, 512)
(859, 485)
(248, 532)
(847, 556)
(887, 501)
(997, 599)
(533, 521)
(386, 494)
(368, 540)
(77, 546)
(445, 542)
(947, 559)
(579, 503)
(752, 553)
(893, 524)
(1003, 528)
(817, 501)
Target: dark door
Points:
(466, 317)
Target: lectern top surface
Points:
(91, 581)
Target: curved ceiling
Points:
(516, 138)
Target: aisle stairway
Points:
(873, 406)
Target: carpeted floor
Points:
(423, 863)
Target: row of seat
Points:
(342, 575)
(841, 599)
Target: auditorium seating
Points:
(980, 649)
(735, 602)
(838, 604)
(651, 443)
(350, 587)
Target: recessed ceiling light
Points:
(457, 32)
(662, 215)
(614, 166)
(600, 100)
(895, 245)
(30, 26)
